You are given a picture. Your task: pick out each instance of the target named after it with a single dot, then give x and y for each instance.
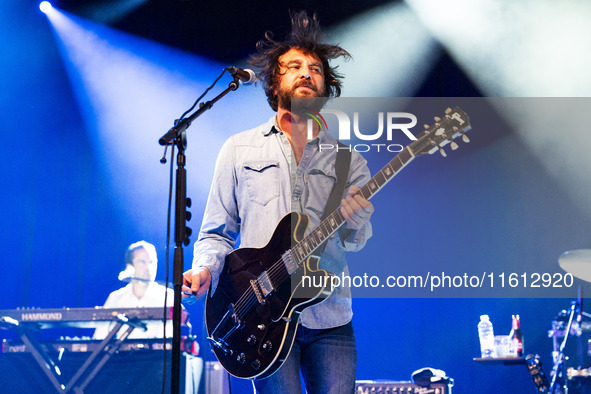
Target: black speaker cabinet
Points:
(125, 372)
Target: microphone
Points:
(246, 76)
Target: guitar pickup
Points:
(265, 283)
(262, 287)
(288, 261)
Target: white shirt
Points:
(124, 298)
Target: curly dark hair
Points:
(305, 35)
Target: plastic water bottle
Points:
(487, 337)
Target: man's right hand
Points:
(196, 282)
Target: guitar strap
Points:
(342, 165)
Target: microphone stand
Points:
(176, 135)
(559, 364)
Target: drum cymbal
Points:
(577, 262)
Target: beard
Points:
(298, 103)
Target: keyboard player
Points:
(141, 263)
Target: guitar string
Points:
(246, 301)
(248, 298)
(276, 274)
(325, 228)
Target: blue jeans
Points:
(327, 359)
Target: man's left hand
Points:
(355, 209)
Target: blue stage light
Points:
(45, 6)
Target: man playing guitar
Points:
(266, 172)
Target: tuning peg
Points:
(465, 138)
(448, 111)
(453, 145)
(426, 126)
(440, 131)
(437, 118)
(442, 152)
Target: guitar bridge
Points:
(257, 292)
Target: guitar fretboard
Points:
(332, 222)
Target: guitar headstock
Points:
(455, 123)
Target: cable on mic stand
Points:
(177, 136)
(200, 97)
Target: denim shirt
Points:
(256, 182)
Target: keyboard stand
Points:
(51, 370)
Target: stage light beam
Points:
(129, 91)
(516, 49)
(535, 49)
(394, 34)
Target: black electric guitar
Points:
(251, 318)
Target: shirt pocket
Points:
(262, 180)
(319, 185)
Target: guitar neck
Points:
(332, 222)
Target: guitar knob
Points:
(267, 346)
(256, 364)
(241, 358)
(252, 340)
(228, 352)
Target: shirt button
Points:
(295, 198)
